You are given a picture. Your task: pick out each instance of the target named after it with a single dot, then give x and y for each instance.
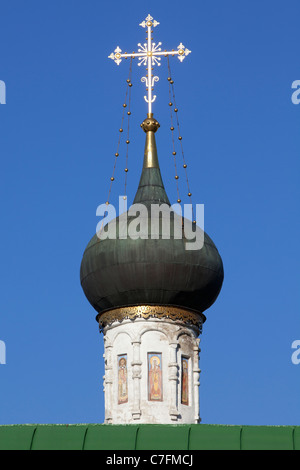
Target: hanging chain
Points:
(128, 125)
(172, 96)
(173, 141)
(128, 92)
(112, 178)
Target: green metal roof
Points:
(148, 437)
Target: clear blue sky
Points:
(59, 132)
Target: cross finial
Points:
(149, 54)
(148, 22)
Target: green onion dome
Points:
(150, 271)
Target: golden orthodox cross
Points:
(149, 54)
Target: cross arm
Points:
(117, 55)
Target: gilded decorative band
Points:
(150, 311)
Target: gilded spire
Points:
(150, 126)
(151, 188)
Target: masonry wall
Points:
(137, 343)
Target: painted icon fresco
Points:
(184, 381)
(122, 379)
(155, 388)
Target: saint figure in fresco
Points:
(184, 381)
(155, 378)
(122, 382)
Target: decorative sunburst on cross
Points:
(149, 55)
